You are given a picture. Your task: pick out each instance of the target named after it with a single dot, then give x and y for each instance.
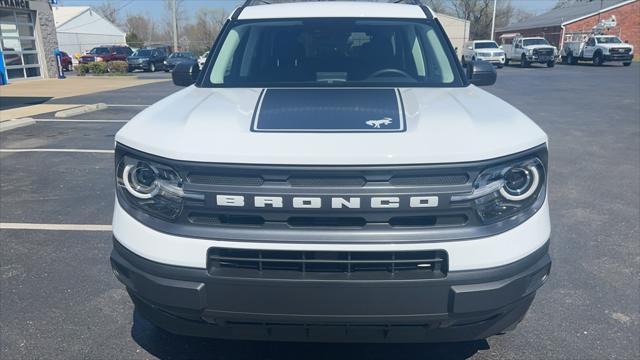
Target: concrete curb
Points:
(80, 110)
(15, 123)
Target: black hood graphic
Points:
(329, 110)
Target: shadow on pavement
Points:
(165, 345)
(11, 102)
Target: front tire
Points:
(571, 60)
(506, 61)
(598, 60)
(626, 63)
(551, 63)
(523, 62)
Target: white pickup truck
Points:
(528, 50)
(597, 49)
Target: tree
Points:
(140, 25)
(108, 10)
(134, 41)
(569, 3)
(205, 29)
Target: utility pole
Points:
(493, 21)
(174, 16)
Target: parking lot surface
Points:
(59, 299)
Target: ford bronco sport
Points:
(332, 174)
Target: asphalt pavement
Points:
(59, 299)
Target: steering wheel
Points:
(389, 71)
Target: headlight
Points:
(529, 51)
(508, 190)
(154, 188)
(98, 58)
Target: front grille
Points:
(619, 50)
(330, 265)
(421, 221)
(543, 52)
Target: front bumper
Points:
(618, 57)
(464, 305)
(543, 59)
(139, 66)
(494, 60)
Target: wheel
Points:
(571, 60)
(500, 66)
(523, 61)
(506, 61)
(152, 67)
(627, 63)
(551, 63)
(597, 59)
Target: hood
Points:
(540, 47)
(176, 60)
(439, 125)
(617, 46)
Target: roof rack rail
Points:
(268, 2)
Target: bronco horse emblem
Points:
(376, 123)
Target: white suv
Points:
(332, 174)
(487, 50)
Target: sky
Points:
(156, 7)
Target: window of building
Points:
(17, 38)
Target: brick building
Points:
(582, 17)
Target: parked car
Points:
(67, 62)
(596, 48)
(106, 54)
(202, 59)
(333, 175)
(148, 59)
(487, 50)
(176, 58)
(528, 50)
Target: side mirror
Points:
(481, 73)
(185, 73)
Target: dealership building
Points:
(28, 37)
(622, 18)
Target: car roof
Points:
(332, 9)
(488, 41)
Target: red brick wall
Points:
(628, 19)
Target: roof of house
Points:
(557, 17)
(63, 14)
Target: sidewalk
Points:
(60, 89)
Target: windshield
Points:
(529, 42)
(180, 55)
(142, 53)
(342, 52)
(608, 40)
(486, 45)
(99, 50)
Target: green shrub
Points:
(118, 67)
(82, 69)
(98, 68)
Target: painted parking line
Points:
(96, 151)
(54, 227)
(81, 120)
